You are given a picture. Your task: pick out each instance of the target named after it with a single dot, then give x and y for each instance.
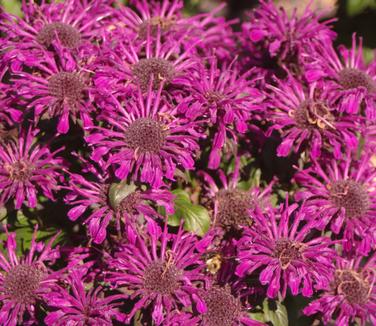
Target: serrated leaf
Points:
(196, 217)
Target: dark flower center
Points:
(66, 86)
(350, 195)
(21, 283)
(351, 78)
(128, 205)
(165, 24)
(233, 208)
(311, 115)
(352, 285)
(162, 278)
(222, 307)
(145, 135)
(20, 171)
(68, 35)
(287, 251)
(157, 68)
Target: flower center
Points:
(311, 115)
(21, 283)
(20, 171)
(214, 98)
(162, 278)
(287, 251)
(352, 285)
(351, 78)
(233, 208)
(152, 24)
(67, 34)
(350, 195)
(128, 205)
(222, 307)
(145, 135)
(157, 69)
(66, 86)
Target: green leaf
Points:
(24, 229)
(355, 7)
(259, 316)
(277, 317)
(196, 217)
(12, 6)
(119, 191)
(368, 53)
(3, 212)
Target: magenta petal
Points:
(75, 212)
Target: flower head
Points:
(205, 30)
(232, 205)
(349, 83)
(148, 16)
(158, 269)
(127, 64)
(342, 196)
(146, 139)
(102, 200)
(284, 248)
(220, 307)
(352, 294)
(79, 306)
(285, 38)
(69, 25)
(306, 118)
(24, 281)
(56, 89)
(27, 169)
(226, 99)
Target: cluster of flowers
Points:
(106, 108)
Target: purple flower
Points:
(72, 23)
(78, 306)
(8, 115)
(226, 99)
(146, 139)
(347, 81)
(232, 205)
(150, 15)
(125, 64)
(158, 269)
(285, 38)
(24, 281)
(167, 16)
(306, 118)
(352, 294)
(287, 252)
(27, 169)
(56, 89)
(341, 194)
(220, 307)
(181, 318)
(103, 201)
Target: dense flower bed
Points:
(180, 170)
